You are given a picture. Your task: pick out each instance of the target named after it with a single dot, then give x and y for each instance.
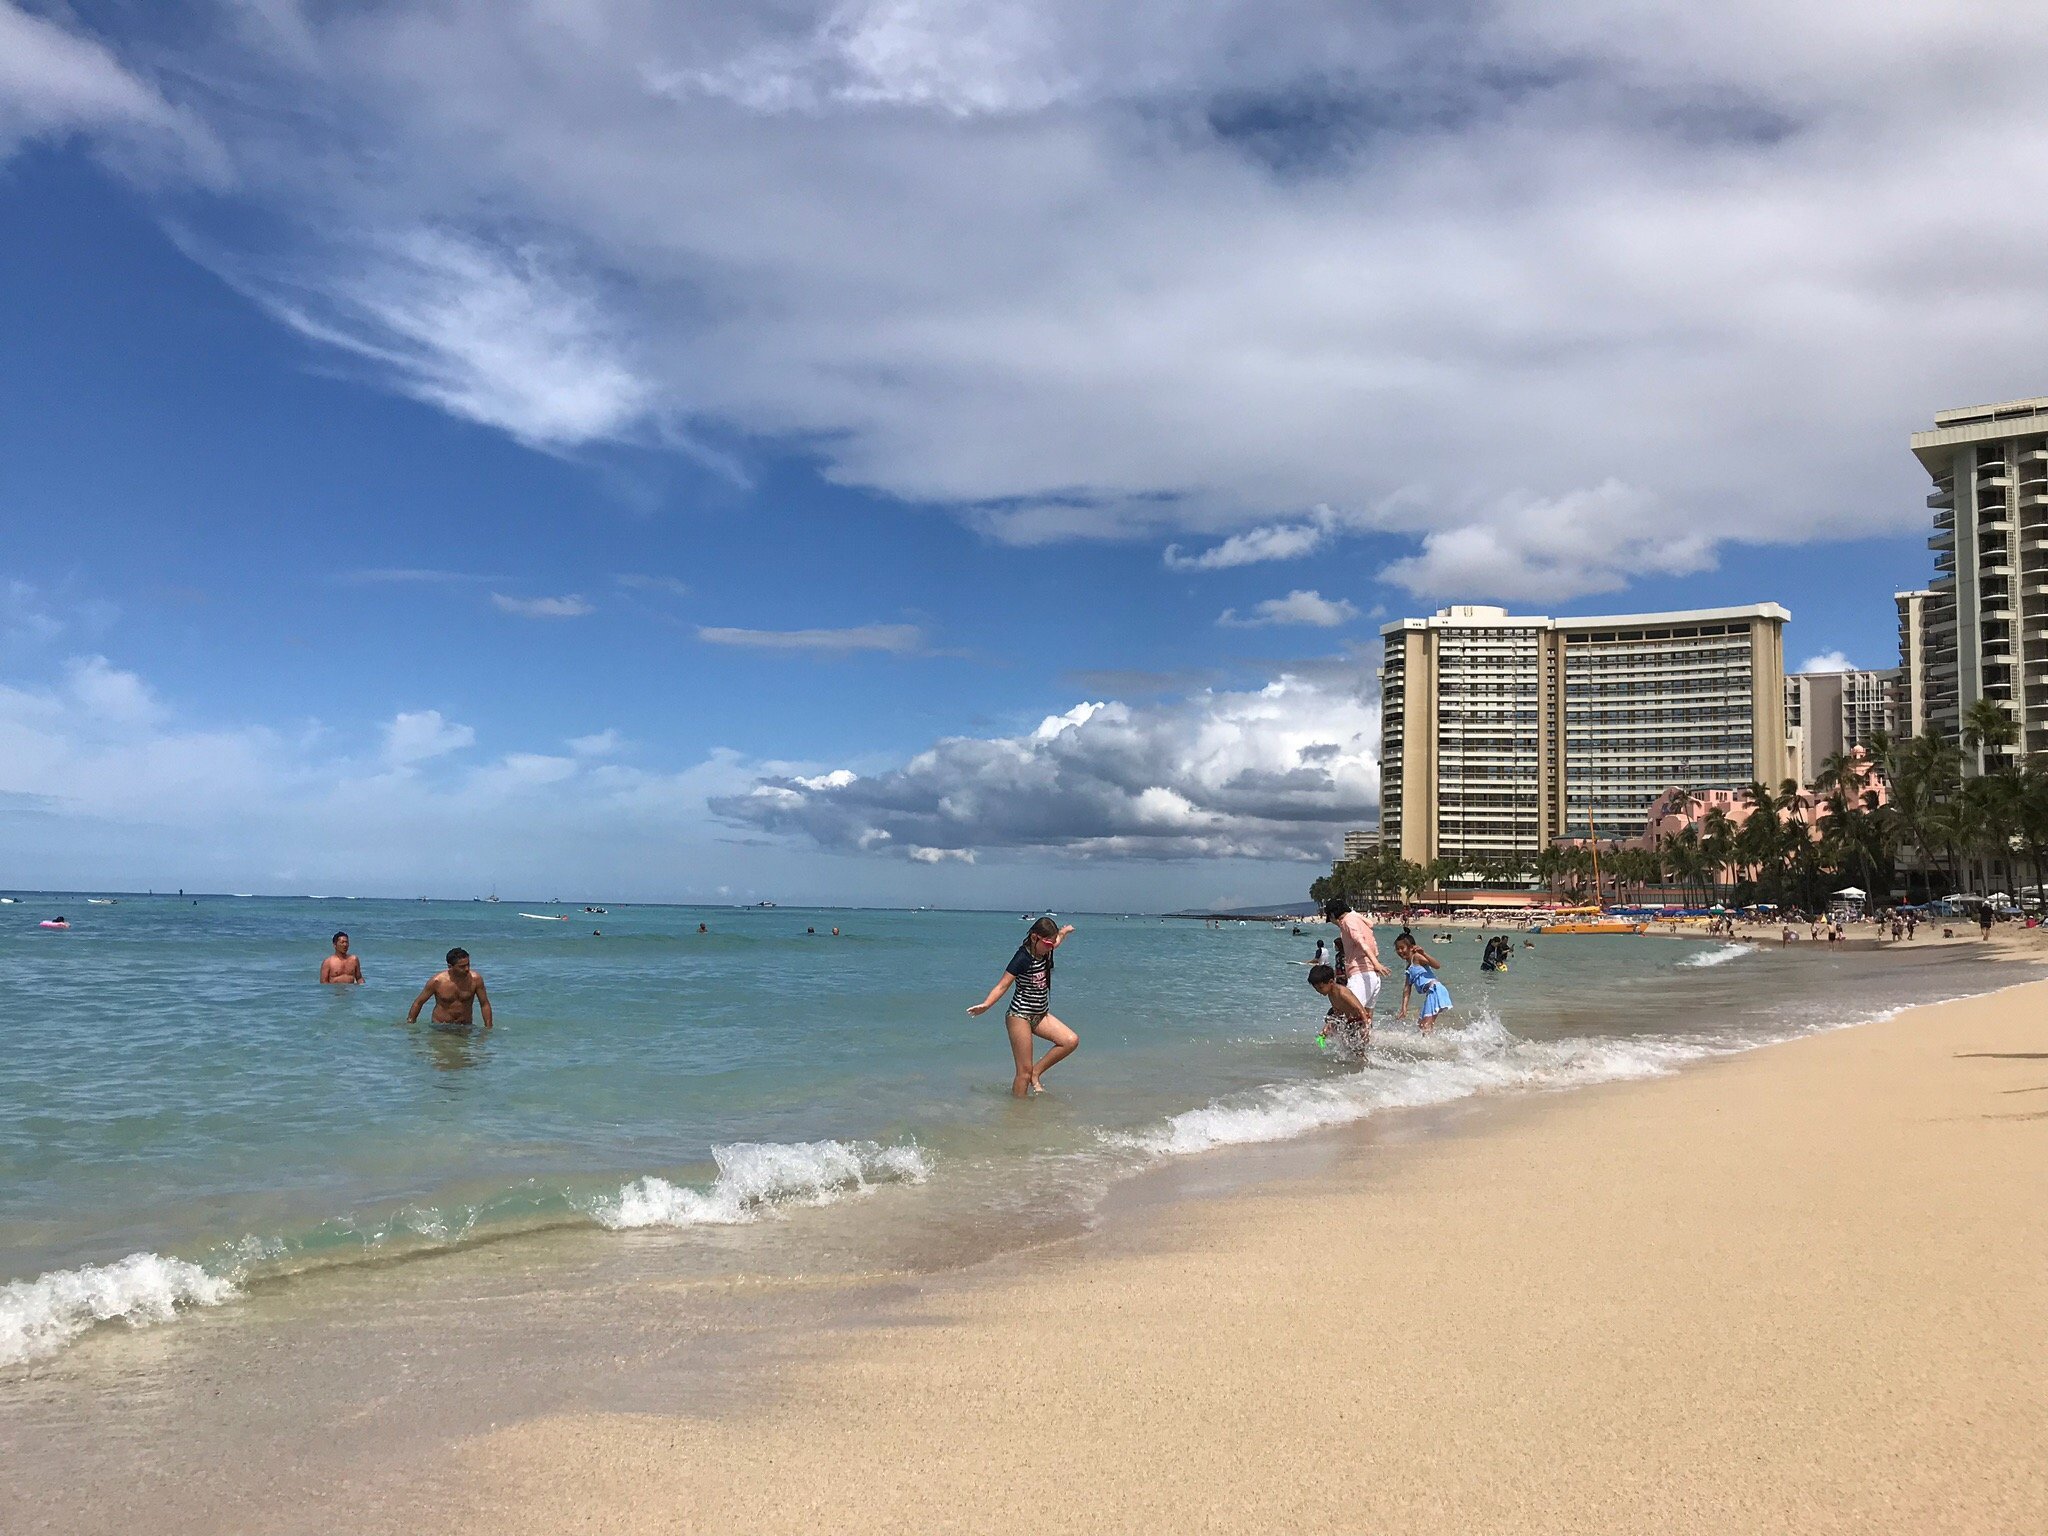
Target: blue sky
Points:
(872, 453)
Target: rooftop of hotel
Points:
(1481, 616)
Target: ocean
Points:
(187, 1119)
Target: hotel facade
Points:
(1982, 629)
(1829, 713)
(1502, 734)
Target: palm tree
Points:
(1988, 730)
(1717, 842)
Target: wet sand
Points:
(1801, 1289)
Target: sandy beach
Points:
(1801, 1289)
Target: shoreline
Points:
(1796, 1287)
(383, 1383)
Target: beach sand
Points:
(1802, 1289)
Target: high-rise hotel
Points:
(1981, 630)
(1502, 734)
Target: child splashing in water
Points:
(1347, 1024)
(1433, 998)
(1030, 969)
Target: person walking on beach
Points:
(341, 968)
(454, 992)
(1030, 971)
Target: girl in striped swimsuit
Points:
(1030, 969)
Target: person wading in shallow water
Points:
(1030, 971)
(341, 967)
(454, 991)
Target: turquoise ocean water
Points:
(184, 1112)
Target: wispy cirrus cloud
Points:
(1298, 607)
(666, 586)
(886, 639)
(407, 575)
(55, 82)
(569, 606)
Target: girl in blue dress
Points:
(1420, 981)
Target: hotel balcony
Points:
(1944, 538)
(1943, 496)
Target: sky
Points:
(911, 452)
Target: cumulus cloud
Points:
(1310, 608)
(890, 639)
(108, 693)
(1827, 661)
(570, 606)
(1267, 773)
(602, 743)
(1551, 548)
(103, 783)
(1488, 271)
(416, 736)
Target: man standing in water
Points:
(453, 992)
(341, 967)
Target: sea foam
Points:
(1720, 956)
(1411, 1071)
(754, 1176)
(39, 1317)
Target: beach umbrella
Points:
(1850, 891)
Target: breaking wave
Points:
(754, 1176)
(1719, 956)
(39, 1317)
(1409, 1071)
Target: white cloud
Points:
(571, 606)
(492, 334)
(923, 855)
(1310, 608)
(890, 639)
(1279, 541)
(1478, 259)
(416, 736)
(1828, 661)
(1551, 548)
(55, 82)
(604, 743)
(1275, 772)
(108, 693)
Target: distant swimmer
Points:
(453, 991)
(1031, 1008)
(702, 929)
(1347, 1023)
(341, 967)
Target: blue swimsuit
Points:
(1432, 996)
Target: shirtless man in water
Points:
(453, 991)
(341, 966)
